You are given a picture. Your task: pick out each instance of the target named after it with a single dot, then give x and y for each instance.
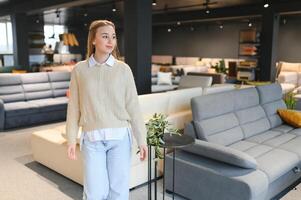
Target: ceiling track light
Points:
(114, 8)
(154, 3)
(266, 4)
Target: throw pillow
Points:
(164, 78)
(291, 117)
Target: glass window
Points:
(6, 41)
(51, 33)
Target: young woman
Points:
(104, 101)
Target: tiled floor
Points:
(21, 178)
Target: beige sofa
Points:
(289, 76)
(49, 146)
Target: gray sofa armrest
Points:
(221, 153)
(189, 130)
(2, 116)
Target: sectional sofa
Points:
(49, 146)
(33, 98)
(243, 150)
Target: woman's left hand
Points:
(143, 152)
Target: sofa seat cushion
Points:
(273, 161)
(296, 131)
(263, 137)
(277, 162)
(284, 128)
(20, 108)
(293, 146)
(50, 104)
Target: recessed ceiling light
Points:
(266, 5)
(250, 24)
(192, 28)
(178, 23)
(85, 14)
(221, 26)
(207, 11)
(114, 9)
(154, 3)
(169, 30)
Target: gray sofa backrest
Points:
(31, 86)
(10, 88)
(271, 100)
(251, 116)
(229, 117)
(214, 118)
(59, 83)
(36, 86)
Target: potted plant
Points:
(290, 101)
(157, 126)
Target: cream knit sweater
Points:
(103, 97)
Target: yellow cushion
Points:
(292, 117)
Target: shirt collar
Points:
(110, 61)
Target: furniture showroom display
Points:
(49, 146)
(32, 98)
(243, 150)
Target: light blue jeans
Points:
(106, 168)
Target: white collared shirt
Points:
(109, 62)
(104, 133)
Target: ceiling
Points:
(84, 11)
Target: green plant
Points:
(220, 67)
(290, 101)
(156, 127)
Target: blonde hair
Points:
(92, 33)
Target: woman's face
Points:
(105, 39)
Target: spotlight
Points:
(250, 24)
(154, 3)
(221, 26)
(85, 14)
(178, 23)
(192, 28)
(207, 11)
(266, 5)
(37, 21)
(114, 8)
(169, 30)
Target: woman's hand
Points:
(71, 152)
(143, 152)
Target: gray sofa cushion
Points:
(59, 83)
(223, 154)
(214, 118)
(10, 88)
(36, 86)
(20, 108)
(50, 104)
(271, 100)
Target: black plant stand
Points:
(174, 142)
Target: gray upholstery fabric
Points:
(20, 108)
(283, 128)
(246, 121)
(10, 88)
(10, 79)
(202, 178)
(245, 98)
(190, 130)
(26, 99)
(223, 154)
(59, 83)
(269, 93)
(40, 77)
(50, 104)
(208, 106)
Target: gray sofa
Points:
(32, 98)
(243, 150)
